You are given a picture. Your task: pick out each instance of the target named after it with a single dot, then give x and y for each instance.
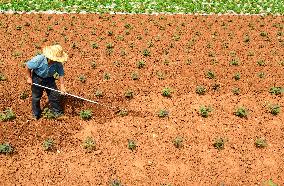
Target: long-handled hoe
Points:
(116, 109)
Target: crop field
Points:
(200, 100)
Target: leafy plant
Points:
(237, 76)
(204, 111)
(261, 62)
(261, 74)
(89, 144)
(128, 94)
(166, 92)
(178, 142)
(115, 182)
(260, 143)
(86, 114)
(99, 93)
(106, 76)
(7, 115)
(82, 78)
(236, 91)
(210, 74)
(163, 113)
(123, 112)
(95, 45)
(146, 52)
(241, 112)
(200, 90)
(2, 77)
(219, 143)
(131, 144)
(276, 90)
(140, 64)
(93, 64)
(6, 148)
(160, 75)
(235, 62)
(48, 144)
(134, 76)
(24, 95)
(270, 183)
(48, 114)
(188, 62)
(274, 109)
(216, 86)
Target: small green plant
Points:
(128, 94)
(276, 90)
(141, 64)
(106, 76)
(160, 75)
(219, 143)
(99, 93)
(48, 144)
(93, 64)
(261, 74)
(131, 144)
(115, 182)
(274, 109)
(260, 143)
(235, 62)
(86, 114)
(269, 183)
(48, 114)
(24, 95)
(200, 90)
(204, 111)
(146, 52)
(2, 77)
(109, 46)
(216, 86)
(134, 76)
(6, 148)
(166, 92)
(241, 112)
(109, 33)
(89, 144)
(178, 142)
(246, 38)
(163, 113)
(263, 34)
(236, 91)
(237, 76)
(188, 62)
(7, 115)
(82, 78)
(210, 74)
(123, 112)
(95, 45)
(261, 63)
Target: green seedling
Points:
(274, 109)
(86, 114)
(241, 112)
(219, 143)
(260, 143)
(6, 148)
(166, 92)
(141, 64)
(204, 111)
(48, 144)
(178, 142)
(7, 115)
(163, 113)
(200, 90)
(89, 144)
(128, 94)
(131, 144)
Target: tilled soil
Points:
(178, 51)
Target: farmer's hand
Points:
(63, 89)
(30, 81)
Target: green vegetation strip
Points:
(148, 6)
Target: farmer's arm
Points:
(61, 77)
(32, 64)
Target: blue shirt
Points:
(40, 66)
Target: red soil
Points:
(156, 160)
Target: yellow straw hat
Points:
(55, 53)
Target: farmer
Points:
(41, 70)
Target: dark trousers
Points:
(37, 92)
